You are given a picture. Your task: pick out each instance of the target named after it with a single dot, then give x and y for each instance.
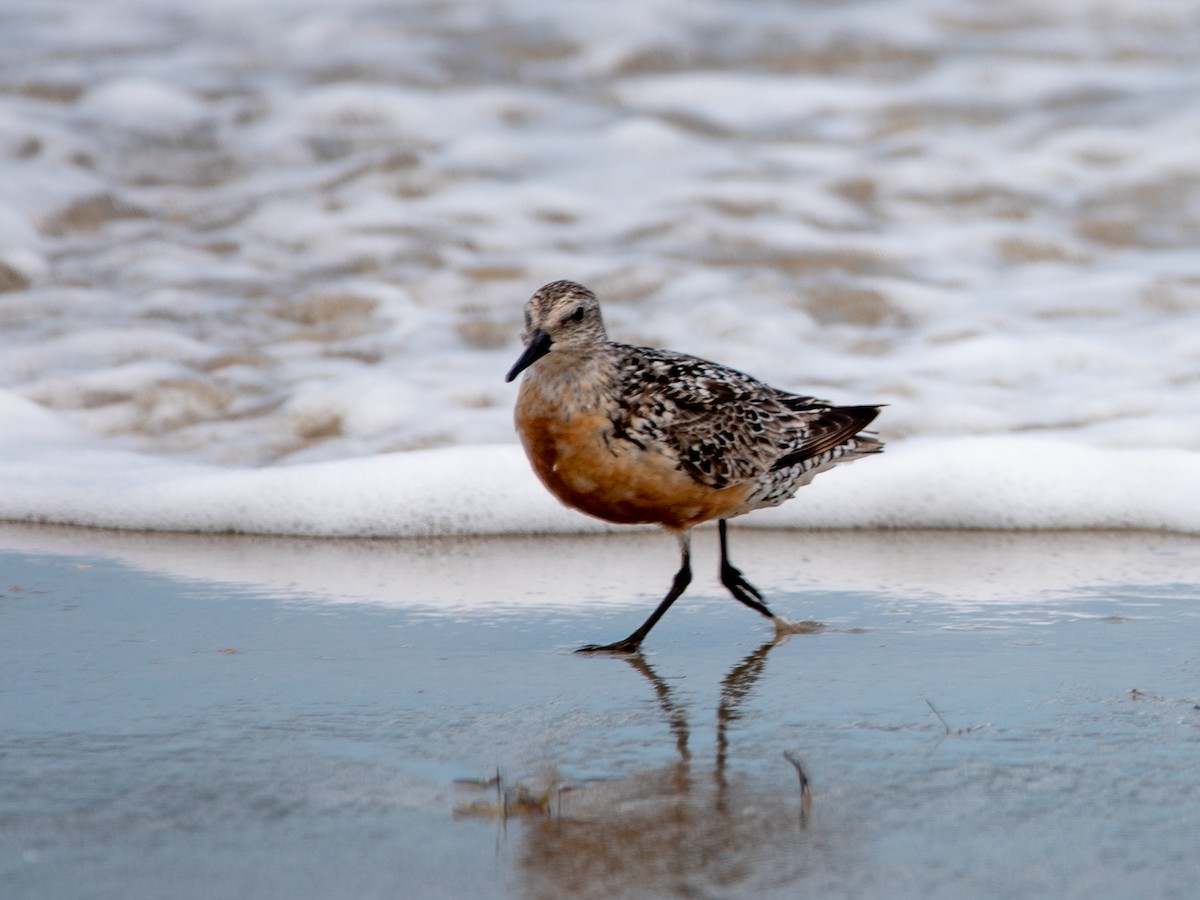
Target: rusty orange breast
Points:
(576, 455)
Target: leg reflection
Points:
(663, 831)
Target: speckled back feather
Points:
(724, 427)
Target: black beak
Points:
(538, 346)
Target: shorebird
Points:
(636, 435)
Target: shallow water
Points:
(173, 732)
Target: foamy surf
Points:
(269, 280)
(52, 472)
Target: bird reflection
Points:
(668, 830)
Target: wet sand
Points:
(981, 714)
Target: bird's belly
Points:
(583, 464)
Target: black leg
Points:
(731, 576)
(683, 578)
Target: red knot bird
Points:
(635, 435)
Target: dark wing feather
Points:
(827, 428)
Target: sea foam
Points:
(51, 473)
(263, 272)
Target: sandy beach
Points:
(981, 714)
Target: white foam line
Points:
(978, 482)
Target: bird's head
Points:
(561, 316)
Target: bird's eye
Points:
(577, 316)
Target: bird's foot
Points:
(742, 590)
(732, 578)
(629, 645)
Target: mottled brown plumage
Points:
(638, 435)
